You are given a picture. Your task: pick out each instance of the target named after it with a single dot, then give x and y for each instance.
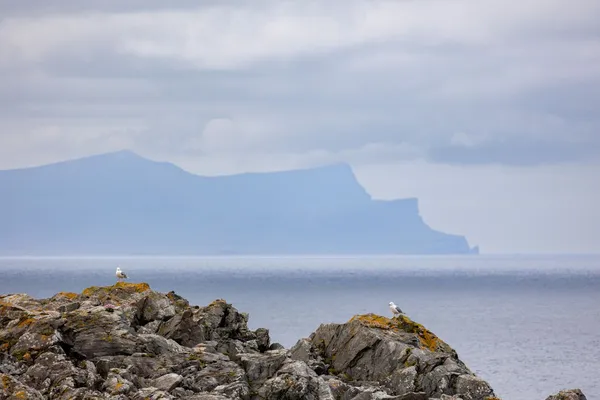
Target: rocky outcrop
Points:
(572, 394)
(129, 342)
(403, 357)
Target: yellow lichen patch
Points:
(106, 290)
(67, 295)
(21, 394)
(91, 291)
(428, 340)
(5, 382)
(138, 287)
(374, 321)
(492, 398)
(217, 302)
(27, 356)
(117, 387)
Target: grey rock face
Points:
(129, 342)
(12, 388)
(411, 361)
(167, 382)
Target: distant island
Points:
(123, 204)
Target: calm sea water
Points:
(528, 325)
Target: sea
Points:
(529, 325)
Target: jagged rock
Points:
(154, 307)
(402, 380)
(290, 387)
(129, 342)
(150, 327)
(200, 376)
(410, 358)
(294, 380)
(447, 397)
(263, 340)
(345, 390)
(571, 394)
(13, 389)
(68, 307)
(53, 373)
(208, 397)
(470, 387)
(116, 384)
(151, 393)
(167, 382)
(276, 346)
(260, 367)
(303, 350)
(236, 391)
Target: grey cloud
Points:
(525, 81)
(41, 7)
(518, 154)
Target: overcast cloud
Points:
(487, 111)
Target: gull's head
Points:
(392, 303)
(118, 269)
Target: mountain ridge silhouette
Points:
(120, 203)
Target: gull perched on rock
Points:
(120, 274)
(395, 309)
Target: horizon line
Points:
(266, 256)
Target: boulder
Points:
(167, 382)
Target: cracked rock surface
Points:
(129, 342)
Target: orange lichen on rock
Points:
(429, 340)
(91, 291)
(374, 321)
(25, 322)
(137, 287)
(68, 295)
(402, 323)
(21, 394)
(128, 287)
(6, 382)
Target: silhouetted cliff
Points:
(121, 203)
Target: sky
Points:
(487, 111)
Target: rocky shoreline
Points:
(129, 342)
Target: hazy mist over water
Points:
(528, 324)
